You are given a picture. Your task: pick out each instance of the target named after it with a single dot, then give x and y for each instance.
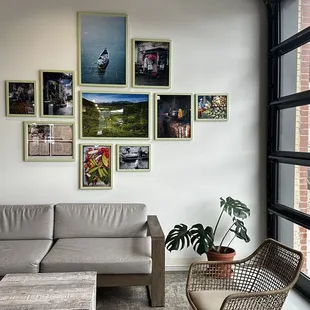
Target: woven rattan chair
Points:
(259, 282)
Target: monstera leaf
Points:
(178, 237)
(240, 230)
(235, 208)
(202, 238)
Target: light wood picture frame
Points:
(151, 63)
(57, 93)
(49, 141)
(96, 168)
(211, 107)
(173, 116)
(21, 98)
(133, 157)
(102, 49)
(117, 115)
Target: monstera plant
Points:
(202, 238)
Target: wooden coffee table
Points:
(42, 291)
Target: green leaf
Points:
(241, 231)
(177, 238)
(235, 207)
(201, 239)
(222, 201)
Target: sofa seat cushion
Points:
(209, 300)
(104, 255)
(22, 256)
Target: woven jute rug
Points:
(135, 297)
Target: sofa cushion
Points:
(22, 256)
(104, 255)
(97, 220)
(209, 300)
(26, 222)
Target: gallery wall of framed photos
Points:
(102, 46)
(198, 55)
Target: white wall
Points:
(218, 46)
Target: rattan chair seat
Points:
(209, 300)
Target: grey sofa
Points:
(26, 235)
(120, 242)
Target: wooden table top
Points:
(42, 291)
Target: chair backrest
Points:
(278, 266)
(26, 222)
(100, 220)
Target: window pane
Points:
(294, 187)
(294, 17)
(297, 238)
(294, 129)
(289, 18)
(295, 70)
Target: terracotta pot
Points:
(227, 254)
(221, 271)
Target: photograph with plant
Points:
(204, 238)
(114, 115)
(95, 166)
(211, 107)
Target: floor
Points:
(135, 298)
(296, 302)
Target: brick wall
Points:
(302, 129)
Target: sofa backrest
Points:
(26, 222)
(97, 220)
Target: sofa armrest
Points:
(153, 228)
(157, 287)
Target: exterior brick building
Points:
(302, 133)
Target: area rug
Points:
(135, 297)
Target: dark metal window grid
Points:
(275, 104)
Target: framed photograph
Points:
(211, 107)
(114, 115)
(133, 157)
(20, 98)
(49, 141)
(173, 117)
(102, 49)
(95, 166)
(151, 63)
(57, 93)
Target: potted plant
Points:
(202, 238)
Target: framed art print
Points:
(46, 141)
(114, 115)
(95, 166)
(173, 117)
(20, 98)
(211, 107)
(102, 49)
(151, 64)
(133, 157)
(57, 93)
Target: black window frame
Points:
(276, 103)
